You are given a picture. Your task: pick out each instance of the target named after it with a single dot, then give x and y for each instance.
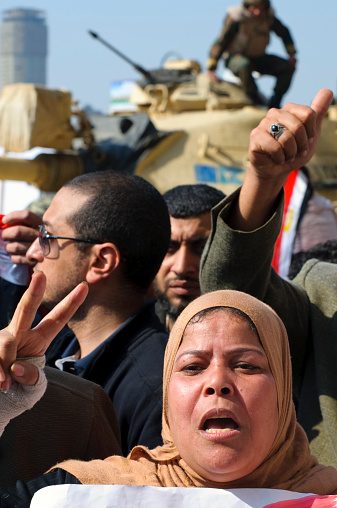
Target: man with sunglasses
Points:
(111, 230)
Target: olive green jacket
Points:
(307, 305)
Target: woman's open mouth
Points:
(218, 425)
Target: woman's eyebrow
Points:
(195, 352)
(202, 352)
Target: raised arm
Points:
(271, 160)
(245, 226)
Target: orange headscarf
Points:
(289, 464)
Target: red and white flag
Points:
(294, 192)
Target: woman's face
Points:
(222, 402)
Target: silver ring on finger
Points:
(276, 130)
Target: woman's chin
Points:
(223, 467)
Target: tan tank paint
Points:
(211, 149)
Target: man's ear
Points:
(104, 259)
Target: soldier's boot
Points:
(275, 101)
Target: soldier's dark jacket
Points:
(247, 35)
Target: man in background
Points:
(177, 281)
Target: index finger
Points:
(28, 305)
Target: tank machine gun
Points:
(185, 130)
(168, 77)
(137, 67)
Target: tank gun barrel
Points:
(48, 172)
(137, 67)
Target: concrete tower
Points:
(23, 47)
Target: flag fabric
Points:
(295, 190)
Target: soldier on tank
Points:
(243, 43)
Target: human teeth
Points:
(217, 425)
(217, 431)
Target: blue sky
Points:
(146, 33)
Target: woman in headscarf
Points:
(260, 437)
(228, 416)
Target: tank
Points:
(184, 129)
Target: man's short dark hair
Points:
(191, 200)
(128, 211)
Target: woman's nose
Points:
(218, 382)
(224, 390)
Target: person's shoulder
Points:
(271, 13)
(237, 13)
(145, 353)
(78, 395)
(149, 327)
(73, 392)
(72, 386)
(150, 338)
(74, 418)
(319, 280)
(314, 268)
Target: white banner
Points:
(130, 496)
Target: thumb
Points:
(321, 104)
(24, 373)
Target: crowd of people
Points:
(247, 393)
(156, 344)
